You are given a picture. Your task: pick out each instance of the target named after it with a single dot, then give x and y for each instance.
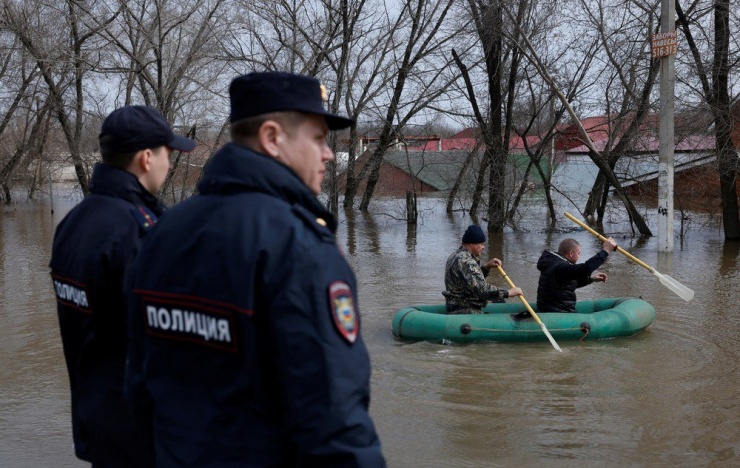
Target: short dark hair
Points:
(567, 245)
(244, 130)
(119, 160)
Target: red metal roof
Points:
(651, 144)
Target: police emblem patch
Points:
(343, 310)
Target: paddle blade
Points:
(685, 293)
(549, 337)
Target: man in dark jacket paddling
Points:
(560, 276)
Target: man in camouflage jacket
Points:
(467, 291)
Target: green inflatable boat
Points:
(510, 322)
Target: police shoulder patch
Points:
(343, 310)
(144, 216)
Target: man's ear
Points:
(141, 164)
(270, 135)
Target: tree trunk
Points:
(458, 180)
(375, 161)
(716, 95)
(520, 192)
(726, 154)
(495, 151)
(412, 213)
(351, 184)
(479, 185)
(25, 146)
(489, 24)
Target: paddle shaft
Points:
(603, 239)
(531, 311)
(521, 297)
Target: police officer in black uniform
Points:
(247, 348)
(93, 248)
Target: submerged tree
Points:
(717, 96)
(424, 37)
(601, 162)
(629, 84)
(64, 41)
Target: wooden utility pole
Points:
(664, 47)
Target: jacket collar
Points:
(235, 168)
(555, 254)
(114, 182)
(462, 249)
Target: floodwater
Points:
(668, 396)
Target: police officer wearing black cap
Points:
(93, 248)
(247, 348)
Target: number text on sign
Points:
(663, 44)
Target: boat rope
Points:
(585, 328)
(518, 331)
(400, 322)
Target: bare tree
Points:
(31, 142)
(543, 148)
(344, 43)
(601, 162)
(168, 49)
(165, 54)
(425, 21)
(507, 112)
(380, 61)
(457, 185)
(63, 40)
(488, 19)
(717, 96)
(291, 35)
(356, 65)
(368, 76)
(17, 76)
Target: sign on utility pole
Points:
(663, 47)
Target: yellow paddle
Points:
(685, 293)
(529, 308)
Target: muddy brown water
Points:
(668, 396)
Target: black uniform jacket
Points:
(94, 246)
(246, 345)
(559, 279)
